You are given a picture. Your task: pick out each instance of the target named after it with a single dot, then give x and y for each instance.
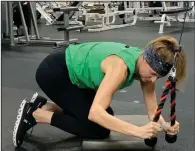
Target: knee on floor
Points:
(99, 133)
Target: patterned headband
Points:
(156, 63)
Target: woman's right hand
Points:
(149, 130)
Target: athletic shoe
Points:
(25, 120)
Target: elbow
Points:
(94, 114)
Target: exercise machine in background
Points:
(29, 37)
(52, 17)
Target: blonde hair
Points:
(164, 47)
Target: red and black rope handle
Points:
(152, 141)
(170, 85)
(172, 138)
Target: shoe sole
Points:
(18, 120)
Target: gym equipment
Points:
(17, 16)
(165, 19)
(33, 39)
(121, 7)
(117, 141)
(104, 21)
(4, 20)
(129, 12)
(143, 11)
(46, 9)
(66, 27)
(165, 15)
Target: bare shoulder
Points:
(115, 71)
(114, 63)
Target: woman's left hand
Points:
(172, 130)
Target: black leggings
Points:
(53, 78)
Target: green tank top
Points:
(84, 62)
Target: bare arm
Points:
(115, 75)
(149, 95)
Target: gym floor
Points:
(18, 82)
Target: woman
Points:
(82, 79)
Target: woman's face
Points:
(146, 73)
